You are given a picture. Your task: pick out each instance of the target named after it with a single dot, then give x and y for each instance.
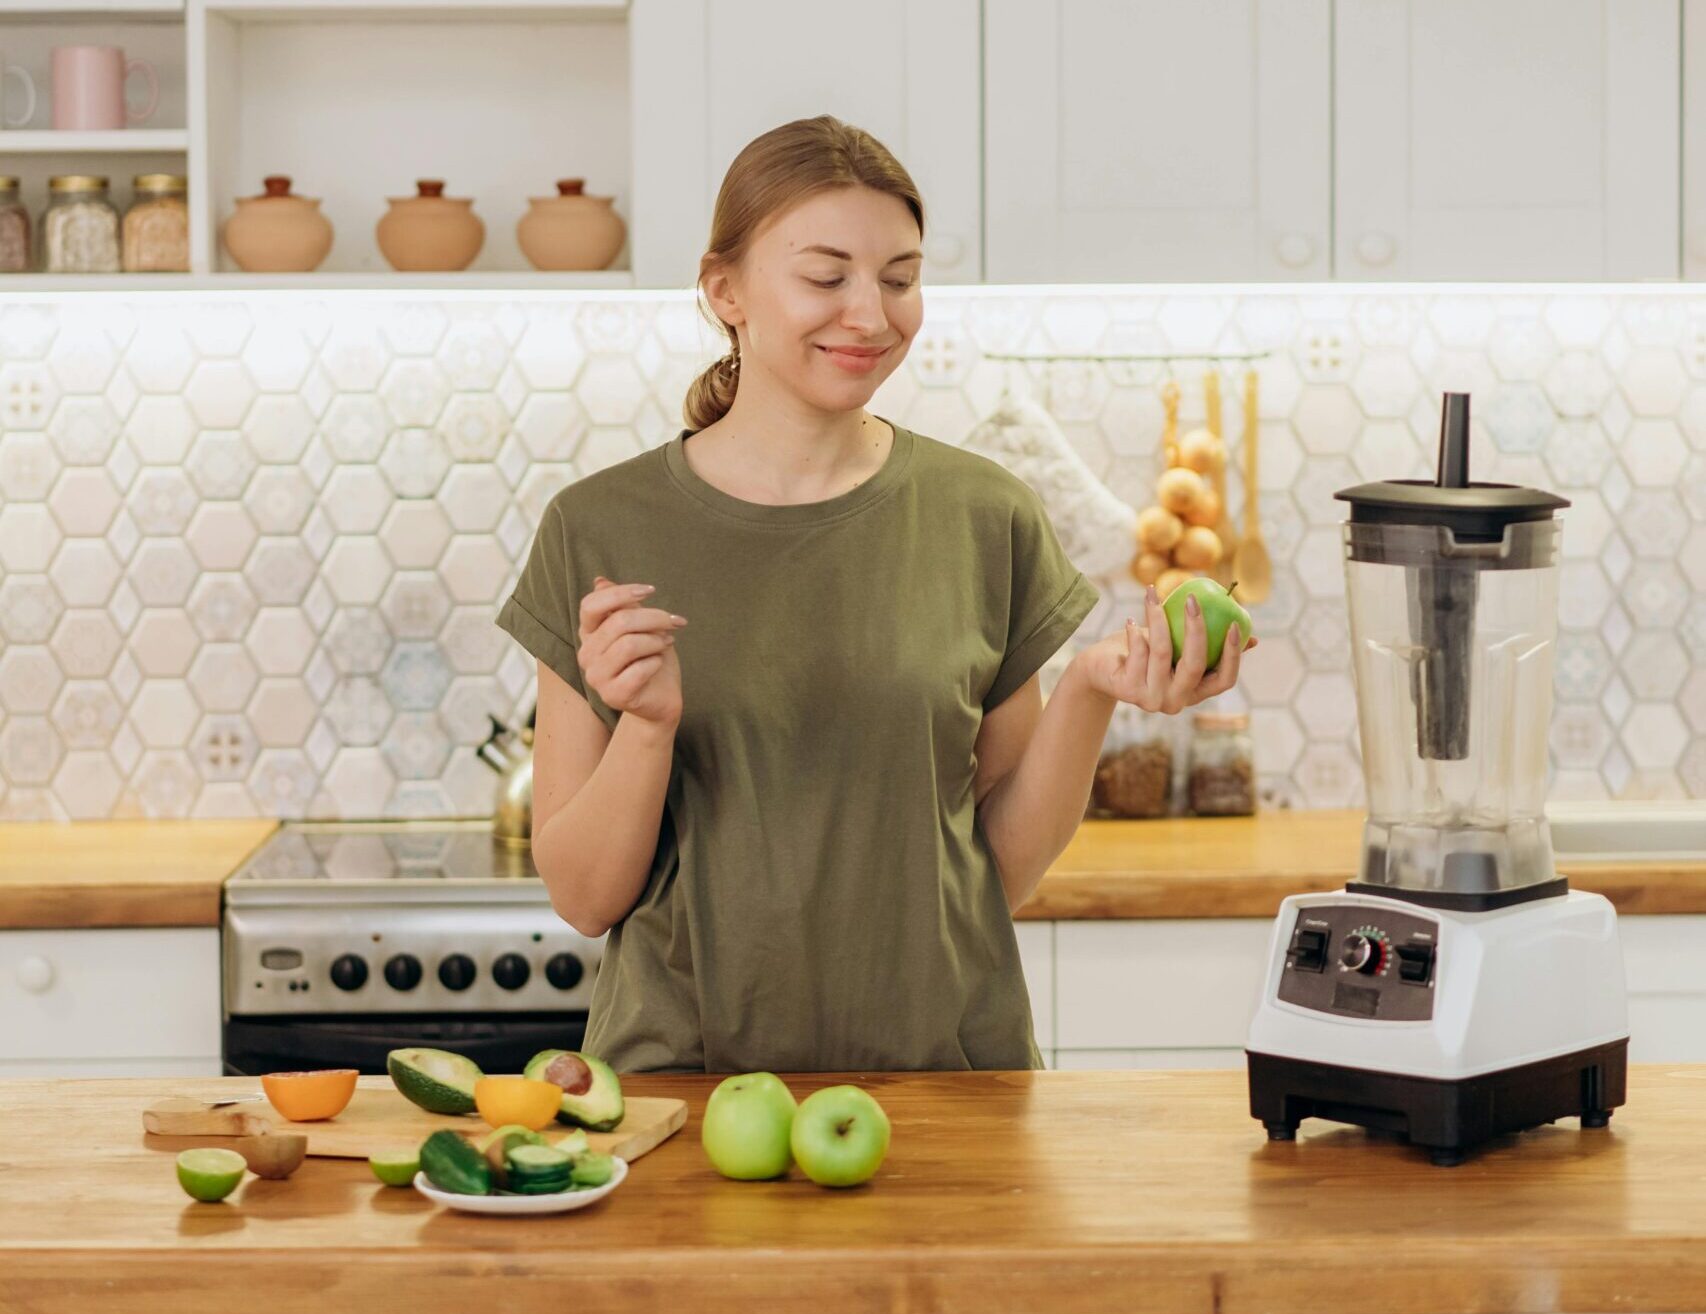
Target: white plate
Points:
(555, 1202)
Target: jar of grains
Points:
(157, 225)
(1134, 776)
(79, 228)
(1222, 777)
(14, 228)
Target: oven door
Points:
(498, 1042)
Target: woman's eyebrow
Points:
(817, 248)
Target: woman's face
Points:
(827, 297)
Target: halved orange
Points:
(310, 1096)
(509, 1101)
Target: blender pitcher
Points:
(1452, 592)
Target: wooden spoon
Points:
(1221, 571)
(1251, 567)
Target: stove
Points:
(343, 940)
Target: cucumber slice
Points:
(592, 1169)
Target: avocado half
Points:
(592, 1097)
(435, 1079)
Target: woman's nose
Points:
(863, 311)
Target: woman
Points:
(805, 819)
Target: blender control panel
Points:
(1363, 962)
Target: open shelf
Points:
(129, 10)
(122, 141)
(604, 280)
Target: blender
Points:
(1457, 989)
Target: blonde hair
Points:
(773, 172)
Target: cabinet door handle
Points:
(945, 250)
(1295, 250)
(35, 974)
(1376, 249)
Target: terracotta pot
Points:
(430, 231)
(277, 232)
(570, 230)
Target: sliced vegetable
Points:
(451, 1164)
(435, 1079)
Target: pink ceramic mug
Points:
(88, 88)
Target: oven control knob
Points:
(1362, 954)
(564, 971)
(403, 971)
(349, 972)
(456, 972)
(510, 971)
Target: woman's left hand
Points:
(1137, 666)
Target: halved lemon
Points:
(310, 1096)
(210, 1174)
(506, 1101)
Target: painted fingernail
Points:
(1153, 597)
(640, 590)
(1193, 606)
(678, 620)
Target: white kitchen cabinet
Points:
(1149, 141)
(1521, 139)
(1036, 955)
(97, 1003)
(710, 75)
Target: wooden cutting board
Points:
(378, 1118)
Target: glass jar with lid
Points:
(1221, 781)
(14, 228)
(157, 225)
(80, 227)
(1134, 773)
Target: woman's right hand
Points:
(627, 652)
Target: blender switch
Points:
(1415, 961)
(1311, 951)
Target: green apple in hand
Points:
(1219, 610)
(747, 1123)
(840, 1136)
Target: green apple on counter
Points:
(1219, 610)
(747, 1123)
(840, 1136)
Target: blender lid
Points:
(1473, 512)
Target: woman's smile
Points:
(855, 360)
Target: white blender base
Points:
(1525, 1020)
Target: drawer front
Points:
(1158, 984)
(1036, 954)
(101, 997)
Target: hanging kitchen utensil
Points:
(1251, 567)
(1221, 571)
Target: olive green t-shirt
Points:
(823, 896)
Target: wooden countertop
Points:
(168, 873)
(1057, 1191)
(120, 873)
(1244, 866)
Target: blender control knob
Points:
(456, 972)
(1362, 953)
(510, 971)
(564, 971)
(349, 972)
(403, 971)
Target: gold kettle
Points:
(509, 752)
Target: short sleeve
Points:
(543, 612)
(1050, 598)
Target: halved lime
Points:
(210, 1174)
(395, 1167)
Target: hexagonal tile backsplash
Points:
(250, 550)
